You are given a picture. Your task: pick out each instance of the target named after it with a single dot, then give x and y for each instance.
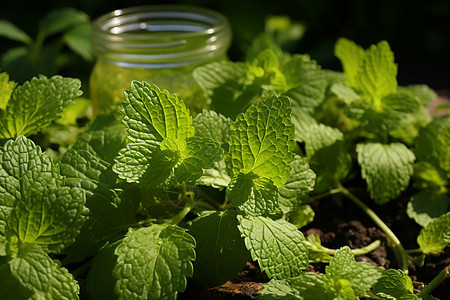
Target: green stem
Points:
(435, 282)
(324, 195)
(180, 216)
(360, 251)
(400, 252)
(412, 251)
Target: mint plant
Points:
(149, 195)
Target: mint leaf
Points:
(11, 31)
(435, 236)
(301, 215)
(36, 104)
(210, 124)
(59, 20)
(152, 115)
(37, 206)
(153, 262)
(225, 85)
(306, 286)
(111, 206)
(100, 282)
(394, 284)
(221, 251)
(278, 246)
(327, 154)
(6, 89)
(425, 206)
(386, 168)
(422, 92)
(299, 183)
(10, 287)
(217, 176)
(41, 275)
(351, 56)
(49, 217)
(377, 76)
(302, 120)
(360, 275)
(104, 137)
(305, 83)
(433, 142)
(427, 176)
(261, 140)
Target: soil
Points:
(339, 222)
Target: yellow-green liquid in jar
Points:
(158, 44)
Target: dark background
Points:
(418, 31)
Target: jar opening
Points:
(161, 36)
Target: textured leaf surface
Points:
(153, 262)
(299, 182)
(386, 168)
(36, 104)
(45, 278)
(361, 275)
(306, 286)
(110, 206)
(152, 115)
(435, 236)
(261, 140)
(425, 206)
(217, 176)
(351, 56)
(104, 137)
(394, 284)
(210, 124)
(433, 143)
(6, 89)
(278, 246)
(37, 206)
(377, 76)
(220, 249)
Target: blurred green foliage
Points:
(416, 30)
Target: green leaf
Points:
(36, 204)
(394, 284)
(377, 76)
(351, 56)
(49, 217)
(425, 206)
(302, 120)
(36, 104)
(327, 154)
(10, 287)
(422, 92)
(111, 207)
(221, 251)
(60, 20)
(100, 282)
(152, 115)
(361, 275)
(386, 168)
(6, 89)
(153, 262)
(11, 31)
(261, 140)
(299, 183)
(305, 82)
(200, 154)
(217, 176)
(427, 176)
(435, 236)
(104, 137)
(225, 84)
(74, 110)
(41, 275)
(301, 215)
(433, 142)
(278, 246)
(306, 286)
(210, 124)
(78, 39)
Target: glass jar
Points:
(159, 44)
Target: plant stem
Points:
(324, 195)
(400, 252)
(411, 251)
(360, 251)
(210, 201)
(435, 282)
